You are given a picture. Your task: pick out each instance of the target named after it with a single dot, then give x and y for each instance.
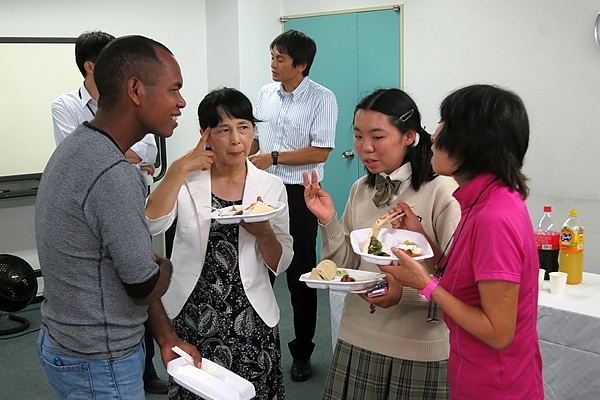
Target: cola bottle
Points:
(547, 238)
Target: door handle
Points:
(349, 154)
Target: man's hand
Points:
(149, 168)
(261, 160)
(165, 335)
(167, 354)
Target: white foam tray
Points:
(359, 237)
(226, 386)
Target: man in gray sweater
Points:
(102, 282)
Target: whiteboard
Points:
(31, 77)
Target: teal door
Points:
(356, 54)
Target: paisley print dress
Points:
(220, 321)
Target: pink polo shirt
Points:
(497, 243)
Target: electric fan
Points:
(18, 286)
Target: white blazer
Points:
(191, 239)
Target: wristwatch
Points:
(275, 155)
(426, 291)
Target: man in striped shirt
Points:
(296, 134)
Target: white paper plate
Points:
(226, 386)
(364, 280)
(247, 217)
(360, 236)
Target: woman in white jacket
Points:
(220, 296)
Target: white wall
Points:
(259, 25)
(223, 55)
(543, 50)
(178, 24)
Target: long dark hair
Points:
(486, 129)
(397, 105)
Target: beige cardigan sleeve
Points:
(335, 237)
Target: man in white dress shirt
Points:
(296, 134)
(71, 109)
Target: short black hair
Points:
(486, 130)
(395, 103)
(297, 45)
(88, 48)
(122, 59)
(233, 103)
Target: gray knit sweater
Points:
(91, 238)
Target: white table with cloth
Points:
(569, 337)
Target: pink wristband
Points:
(427, 290)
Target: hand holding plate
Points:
(391, 298)
(408, 272)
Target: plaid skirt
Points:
(359, 374)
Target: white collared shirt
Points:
(403, 174)
(292, 121)
(71, 109)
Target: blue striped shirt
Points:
(292, 121)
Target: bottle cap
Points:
(572, 213)
(547, 208)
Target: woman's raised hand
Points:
(199, 158)
(409, 221)
(317, 200)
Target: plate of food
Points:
(376, 249)
(327, 276)
(255, 212)
(211, 382)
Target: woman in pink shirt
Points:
(487, 282)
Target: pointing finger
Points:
(204, 138)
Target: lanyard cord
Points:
(440, 271)
(87, 104)
(432, 311)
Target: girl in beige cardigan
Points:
(392, 353)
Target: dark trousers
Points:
(303, 228)
(149, 371)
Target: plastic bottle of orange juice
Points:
(571, 249)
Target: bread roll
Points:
(325, 271)
(260, 207)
